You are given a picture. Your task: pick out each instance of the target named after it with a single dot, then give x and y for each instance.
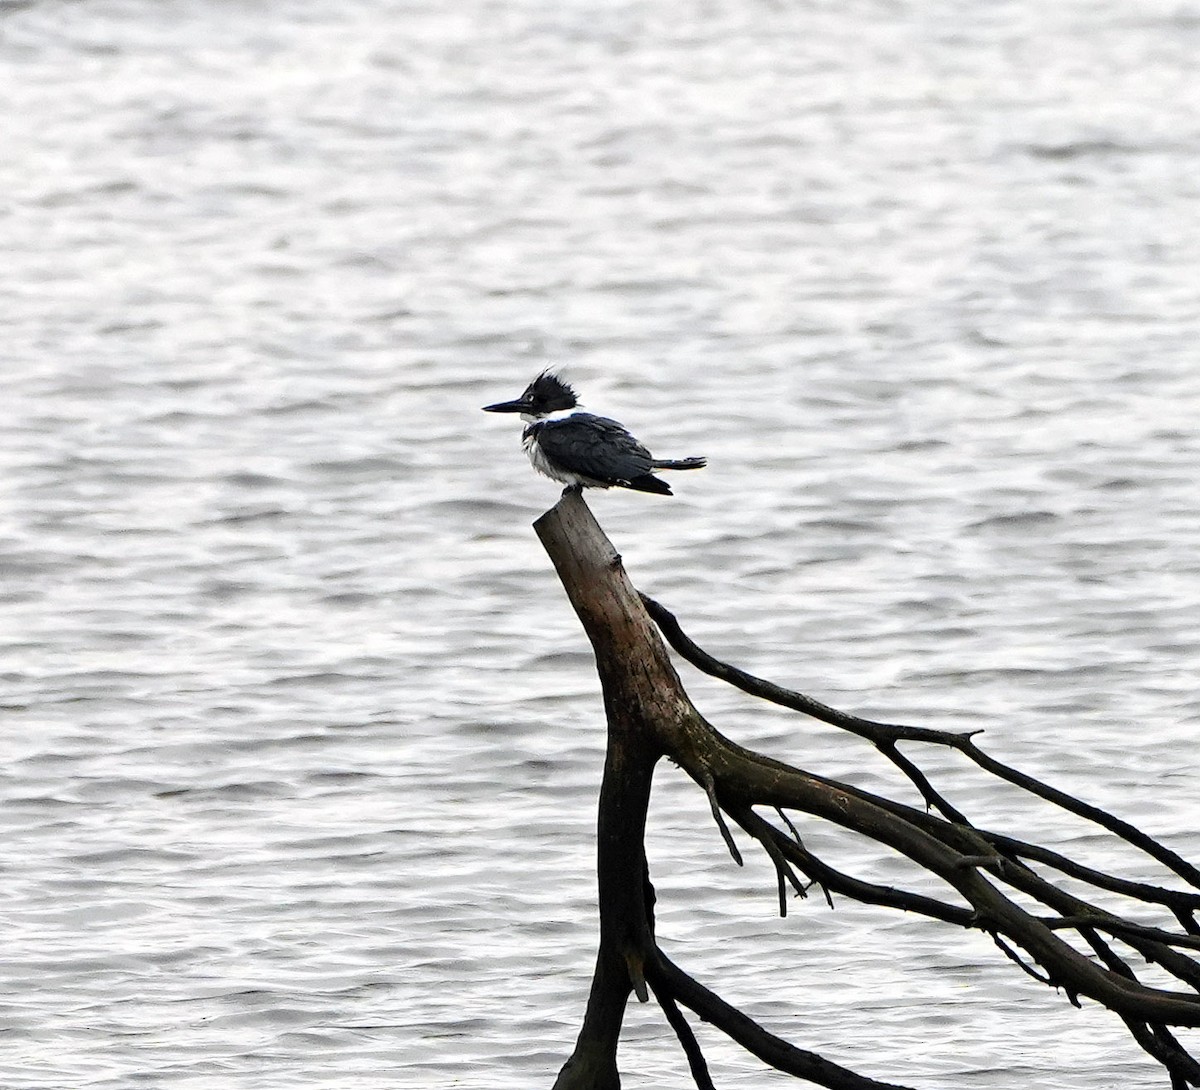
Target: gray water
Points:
(301, 741)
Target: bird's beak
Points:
(518, 406)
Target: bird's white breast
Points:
(543, 465)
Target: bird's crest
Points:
(553, 391)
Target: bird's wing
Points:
(594, 447)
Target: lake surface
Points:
(301, 741)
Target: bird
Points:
(580, 449)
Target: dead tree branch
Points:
(650, 716)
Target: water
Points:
(301, 741)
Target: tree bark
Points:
(636, 678)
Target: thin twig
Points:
(1016, 959)
(754, 825)
(1177, 900)
(831, 879)
(691, 1047)
(710, 789)
(753, 1038)
(1158, 1041)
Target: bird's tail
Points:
(679, 463)
(647, 482)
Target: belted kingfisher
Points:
(581, 449)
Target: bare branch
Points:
(834, 880)
(754, 1039)
(885, 735)
(650, 716)
(691, 1047)
(1177, 900)
(710, 789)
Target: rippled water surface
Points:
(301, 741)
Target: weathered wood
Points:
(649, 716)
(639, 686)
